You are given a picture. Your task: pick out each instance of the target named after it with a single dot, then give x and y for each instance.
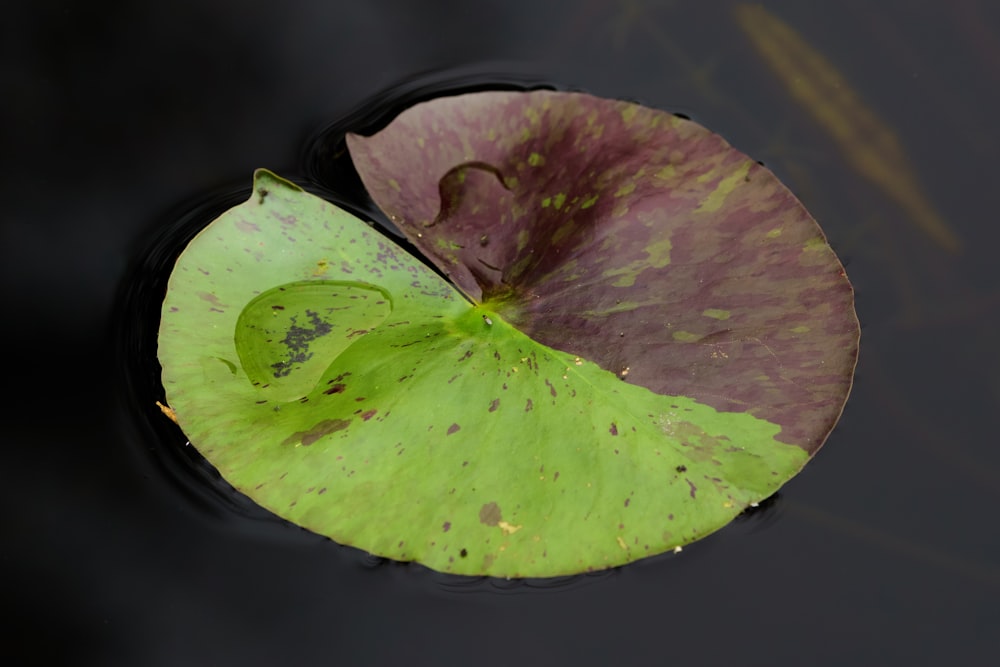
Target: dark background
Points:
(125, 125)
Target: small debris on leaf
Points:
(168, 412)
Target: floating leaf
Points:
(345, 386)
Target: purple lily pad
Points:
(629, 236)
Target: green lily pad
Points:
(653, 336)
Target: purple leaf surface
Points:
(631, 237)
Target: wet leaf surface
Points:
(656, 336)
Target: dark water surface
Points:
(128, 126)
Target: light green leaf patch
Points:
(344, 386)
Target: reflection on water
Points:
(870, 146)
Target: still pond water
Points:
(139, 124)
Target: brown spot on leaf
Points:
(453, 428)
(336, 389)
(368, 414)
(310, 436)
(494, 404)
(528, 406)
(245, 226)
(614, 429)
(212, 299)
(490, 515)
(446, 526)
(681, 468)
(694, 489)
(463, 553)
